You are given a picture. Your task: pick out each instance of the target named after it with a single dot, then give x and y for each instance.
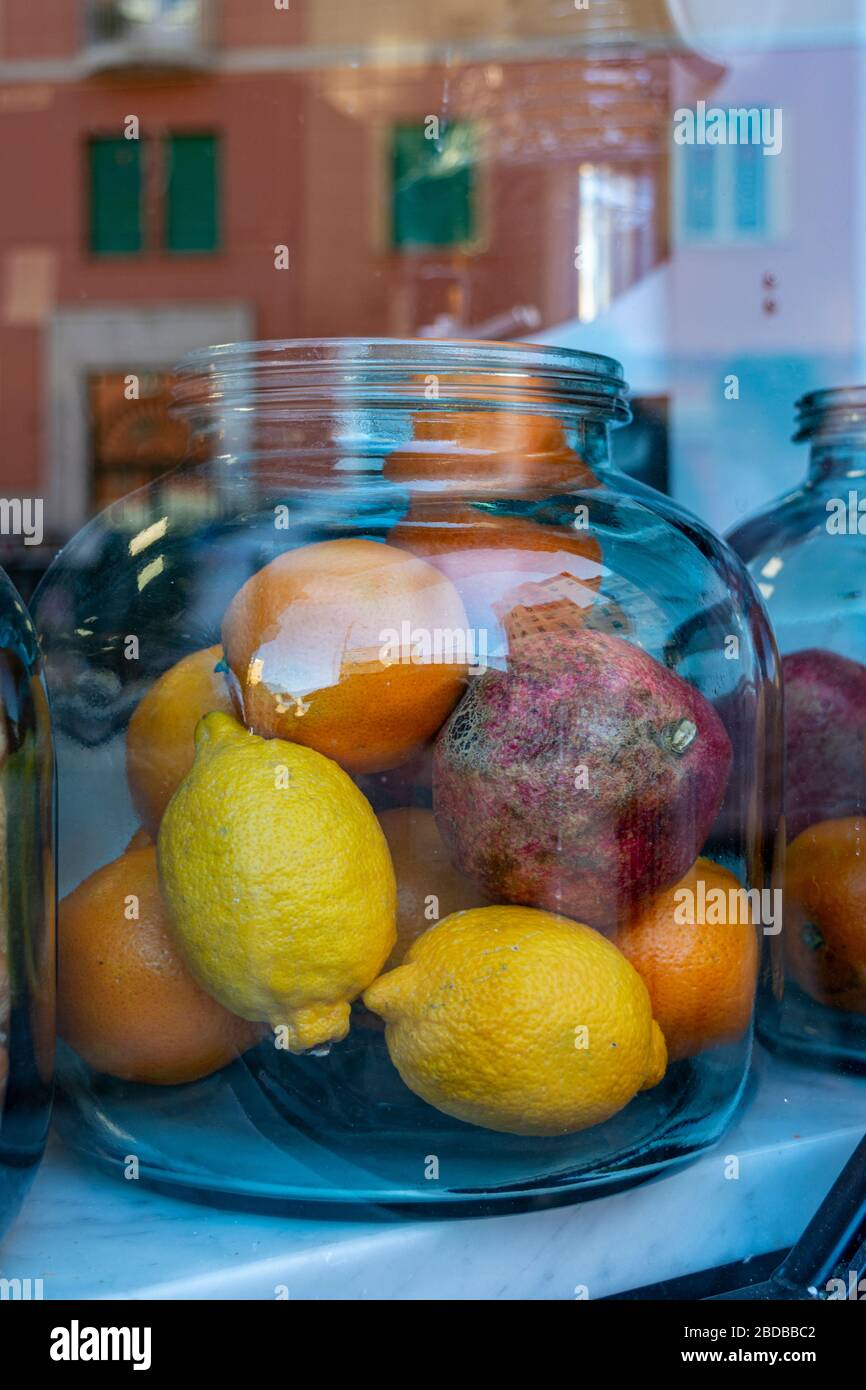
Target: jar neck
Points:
(841, 458)
(444, 407)
(466, 454)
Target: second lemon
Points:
(520, 1021)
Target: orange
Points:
(701, 978)
(491, 559)
(353, 648)
(126, 1002)
(825, 912)
(465, 540)
(488, 450)
(159, 741)
(432, 527)
(140, 839)
(429, 888)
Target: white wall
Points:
(700, 318)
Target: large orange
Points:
(701, 978)
(126, 1002)
(354, 648)
(159, 741)
(491, 558)
(429, 888)
(825, 912)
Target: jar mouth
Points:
(429, 374)
(836, 411)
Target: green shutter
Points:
(433, 196)
(192, 193)
(115, 196)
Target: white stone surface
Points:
(90, 1236)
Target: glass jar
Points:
(806, 551)
(431, 715)
(27, 905)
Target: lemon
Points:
(520, 1021)
(278, 882)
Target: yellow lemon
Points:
(278, 882)
(520, 1021)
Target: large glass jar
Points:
(27, 905)
(807, 551)
(402, 745)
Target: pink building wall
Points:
(297, 168)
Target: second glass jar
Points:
(807, 553)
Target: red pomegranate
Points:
(582, 779)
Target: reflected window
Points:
(726, 194)
(433, 198)
(116, 19)
(617, 235)
(134, 437)
(178, 175)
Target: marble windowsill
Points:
(87, 1235)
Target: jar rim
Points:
(834, 410)
(300, 373)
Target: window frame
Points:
(153, 193)
(381, 209)
(724, 230)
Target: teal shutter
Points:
(433, 188)
(115, 196)
(700, 188)
(192, 193)
(750, 212)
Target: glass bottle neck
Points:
(837, 458)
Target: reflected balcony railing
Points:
(148, 33)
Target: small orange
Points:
(126, 1002)
(160, 742)
(353, 648)
(429, 888)
(825, 912)
(701, 978)
(484, 450)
